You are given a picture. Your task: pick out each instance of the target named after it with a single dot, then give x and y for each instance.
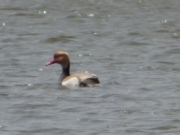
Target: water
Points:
(133, 46)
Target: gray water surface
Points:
(132, 45)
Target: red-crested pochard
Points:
(67, 79)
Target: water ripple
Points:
(61, 38)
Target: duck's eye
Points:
(56, 56)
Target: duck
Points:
(66, 79)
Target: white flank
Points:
(72, 82)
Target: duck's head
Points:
(61, 58)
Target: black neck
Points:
(65, 72)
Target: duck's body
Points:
(81, 79)
(66, 79)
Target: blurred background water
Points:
(132, 45)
